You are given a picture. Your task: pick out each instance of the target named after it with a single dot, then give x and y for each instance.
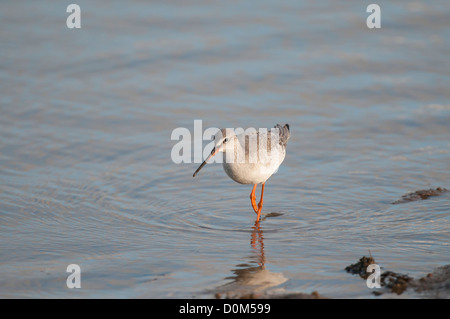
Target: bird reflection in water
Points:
(257, 243)
(248, 280)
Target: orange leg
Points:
(260, 204)
(253, 199)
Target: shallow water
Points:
(85, 137)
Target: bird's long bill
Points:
(213, 152)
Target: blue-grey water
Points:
(87, 178)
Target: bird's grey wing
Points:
(284, 133)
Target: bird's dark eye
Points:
(225, 140)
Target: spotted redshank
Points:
(251, 157)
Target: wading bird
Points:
(251, 158)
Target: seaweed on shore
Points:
(360, 268)
(421, 195)
(394, 282)
(435, 284)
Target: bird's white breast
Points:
(254, 173)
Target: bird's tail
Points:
(284, 132)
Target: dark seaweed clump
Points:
(360, 268)
(421, 195)
(395, 282)
(435, 284)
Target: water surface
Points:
(85, 142)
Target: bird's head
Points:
(224, 140)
